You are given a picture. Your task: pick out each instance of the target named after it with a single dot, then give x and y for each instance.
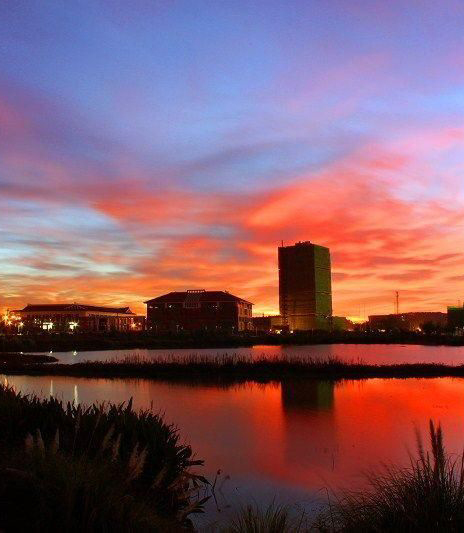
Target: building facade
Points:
(305, 286)
(414, 321)
(268, 324)
(199, 310)
(456, 317)
(75, 318)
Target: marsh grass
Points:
(272, 519)
(42, 490)
(231, 369)
(426, 496)
(111, 456)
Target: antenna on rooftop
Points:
(397, 302)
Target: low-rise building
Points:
(199, 310)
(341, 323)
(407, 321)
(268, 324)
(139, 323)
(75, 318)
(456, 317)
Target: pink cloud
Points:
(384, 234)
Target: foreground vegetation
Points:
(103, 468)
(427, 496)
(231, 369)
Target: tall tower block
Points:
(305, 287)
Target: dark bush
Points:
(135, 457)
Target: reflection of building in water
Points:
(309, 422)
(306, 394)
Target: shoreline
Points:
(227, 370)
(146, 340)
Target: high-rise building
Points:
(305, 288)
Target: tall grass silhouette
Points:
(100, 468)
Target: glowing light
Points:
(357, 319)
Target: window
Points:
(191, 305)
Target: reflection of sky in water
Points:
(368, 353)
(288, 440)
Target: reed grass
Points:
(272, 519)
(126, 456)
(426, 496)
(236, 369)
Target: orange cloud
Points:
(121, 232)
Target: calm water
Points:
(288, 441)
(368, 353)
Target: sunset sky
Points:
(151, 146)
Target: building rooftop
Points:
(197, 296)
(75, 307)
(409, 313)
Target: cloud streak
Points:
(191, 174)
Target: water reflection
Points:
(290, 439)
(310, 436)
(300, 395)
(369, 353)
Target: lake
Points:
(293, 439)
(368, 353)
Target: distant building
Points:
(456, 317)
(407, 321)
(305, 288)
(139, 323)
(75, 318)
(268, 324)
(341, 323)
(199, 310)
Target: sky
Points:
(153, 146)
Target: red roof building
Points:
(199, 310)
(75, 317)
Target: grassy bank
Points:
(425, 497)
(7, 358)
(45, 342)
(64, 468)
(222, 369)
